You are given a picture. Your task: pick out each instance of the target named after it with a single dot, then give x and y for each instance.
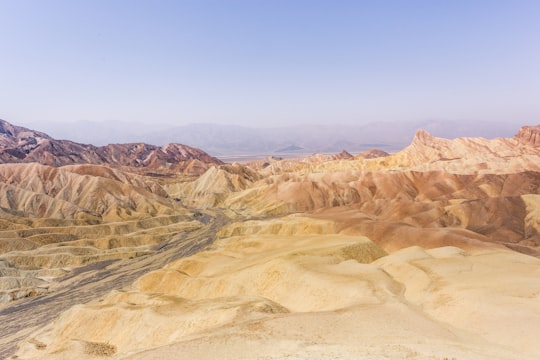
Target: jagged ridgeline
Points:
(21, 145)
(141, 252)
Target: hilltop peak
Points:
(529, 135)
(423, 137)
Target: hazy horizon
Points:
(269, 64)
(230, 141)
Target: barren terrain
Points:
(429, 253)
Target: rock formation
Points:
(429, 253)
(529, 135)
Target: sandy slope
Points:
(294, 288)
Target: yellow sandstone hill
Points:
(294, 287)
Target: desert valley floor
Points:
(136, 251)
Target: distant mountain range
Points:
(225, 140)
(21, 145)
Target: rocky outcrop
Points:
(529, 135)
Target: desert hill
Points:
(21, 145)
(293, 287)
(54, 218)
(486, 189)
(78, 192)
(428, 253)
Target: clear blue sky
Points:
(272, 62)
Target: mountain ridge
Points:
(224, 140)
(22, 145)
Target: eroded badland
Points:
(142, 252)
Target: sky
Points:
(269, 63)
